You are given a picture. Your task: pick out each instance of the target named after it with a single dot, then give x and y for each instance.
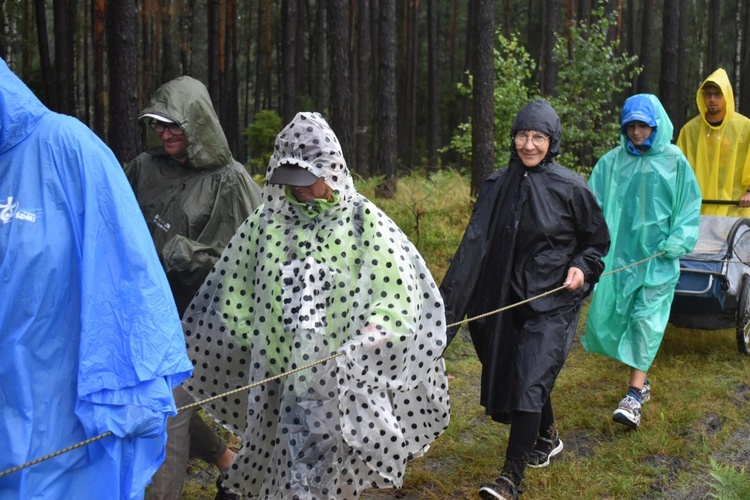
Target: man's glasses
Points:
(708, 94)
(536, 139)
(160, 127)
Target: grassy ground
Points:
(699, 408)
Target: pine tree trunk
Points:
(669, 59)
(547, 66)
(714, 33)
(483, 120)
(433, 126)
(364, 88)
(64, 12)
(123, 69)
(385, 105)
(338, 50)
(647, 47)
(99, 20)
(289, 103)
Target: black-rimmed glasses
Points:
(160, 127)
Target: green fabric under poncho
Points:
(651, 202)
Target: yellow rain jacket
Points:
(719, 155)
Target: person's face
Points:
(306, 193)
(532, 146)
(173, 139)
(715, 104)
(638, 132)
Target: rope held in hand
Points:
(300, 368)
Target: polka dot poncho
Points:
(298, 283)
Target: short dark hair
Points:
(711, 85)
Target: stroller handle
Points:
(720, 202)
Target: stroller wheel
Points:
(743, 317)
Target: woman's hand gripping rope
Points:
(567, 285)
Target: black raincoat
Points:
(528, 227)
(192, 208)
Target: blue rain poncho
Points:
(90, 339)
(651, 202)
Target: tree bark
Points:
(682, 72)
(615, 31)
(483, 120)
(230, 90)
(647, 47)
(123, 69)
(547, 65)
(99, 20)
(584, 11)
(186, 36)
(364, 90)
(407, 119)
(289, 98)
(168, 66)
(631, 33)
(714, 32)
(669, 59)
(215, 71)
(744, 100)
(86, 69)
(64, 11)
(26, 34)
(338, 50)
(433, 77)
(386, 113)
(147, 54)
(318, 43)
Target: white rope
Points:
(281, 375)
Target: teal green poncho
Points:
(651, 202)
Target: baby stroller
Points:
(713, 292)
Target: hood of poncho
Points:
(310, 143)
(649, 110)
(186, 102)
(20, 110)
(721, 79)
(539, 115)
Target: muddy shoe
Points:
(628, 412)
(502, 489)
(544, 450)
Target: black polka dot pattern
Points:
(295, 286)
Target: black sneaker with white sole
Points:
(544, 450)
(502, 489)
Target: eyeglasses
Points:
(536, 139)
(160, 127)
(712, 95)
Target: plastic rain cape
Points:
(647, 199)
(191, 209)
(297, 283)
(90, 340)
(719, 155)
